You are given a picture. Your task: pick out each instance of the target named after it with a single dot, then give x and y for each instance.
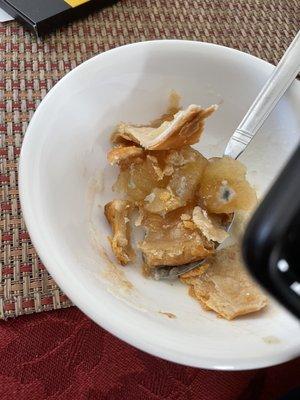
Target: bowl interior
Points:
(65, 181)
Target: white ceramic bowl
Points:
(65, 181)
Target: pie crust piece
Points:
(118, 213)
(224, 286)
(185, 128)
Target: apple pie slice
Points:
(185, 201)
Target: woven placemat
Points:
(29, 67)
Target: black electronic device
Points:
(43, 16)
(271, 246)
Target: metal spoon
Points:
(279, 81)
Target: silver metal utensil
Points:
(279, 81)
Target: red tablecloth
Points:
(63, 355)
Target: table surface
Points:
(62, 354)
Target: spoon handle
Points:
(279, 81)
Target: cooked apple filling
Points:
(184, 202)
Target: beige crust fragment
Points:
(224, 286)
(161, 201)
(209, 229)
(185, 128)
(154, 167)
(117, 213)
(120, 154)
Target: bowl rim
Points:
(71, 286)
